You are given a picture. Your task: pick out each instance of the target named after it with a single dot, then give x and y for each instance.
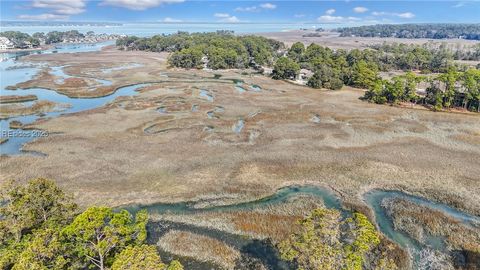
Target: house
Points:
(6, 44)
(303, 76)
(422, 88)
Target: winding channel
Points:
(373, 199)
(13, 73)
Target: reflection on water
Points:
(206, 94)
(375, 198)
(238, 126)
(13, 73)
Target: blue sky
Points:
(229, 11)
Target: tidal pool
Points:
(206, 94)
(194, 108)
(315, 119)
(238, 126)
(240, 89)
(255, 88)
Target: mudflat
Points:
(191, 135)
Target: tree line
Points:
(42, 228)
(432, 31)
(406, 53)
(334, 68)
(456, 86)
(217, 50)
(21, 40)
(444, 91)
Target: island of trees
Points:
(219, 50)
(432, 31)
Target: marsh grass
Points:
(199, 247)
(421, 222)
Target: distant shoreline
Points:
(41, 48)
(51, 46)
(333, 39)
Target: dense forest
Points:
(356, 66)
(433, 31)
(447, 90)
(221, 49)
(407, 52)
(42, 228)
(454, 86)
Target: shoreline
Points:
(52, 46)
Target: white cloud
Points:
(379, 13)
(360, 9)
(337, 19)
(45, 16)
(231, 19)
(330, 11)
(268, 6)
(61, 7)
(247, 9)
(57, 9)
(329, 18)
(264, 6)
(225, 17)
(170, 20)
(138, 4)
(459, 4)
(404, 15)
(221, 15)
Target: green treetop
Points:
(285, 68)
(98, 233)
(327, 241)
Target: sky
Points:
(229, 11)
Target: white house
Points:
(5, 44)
